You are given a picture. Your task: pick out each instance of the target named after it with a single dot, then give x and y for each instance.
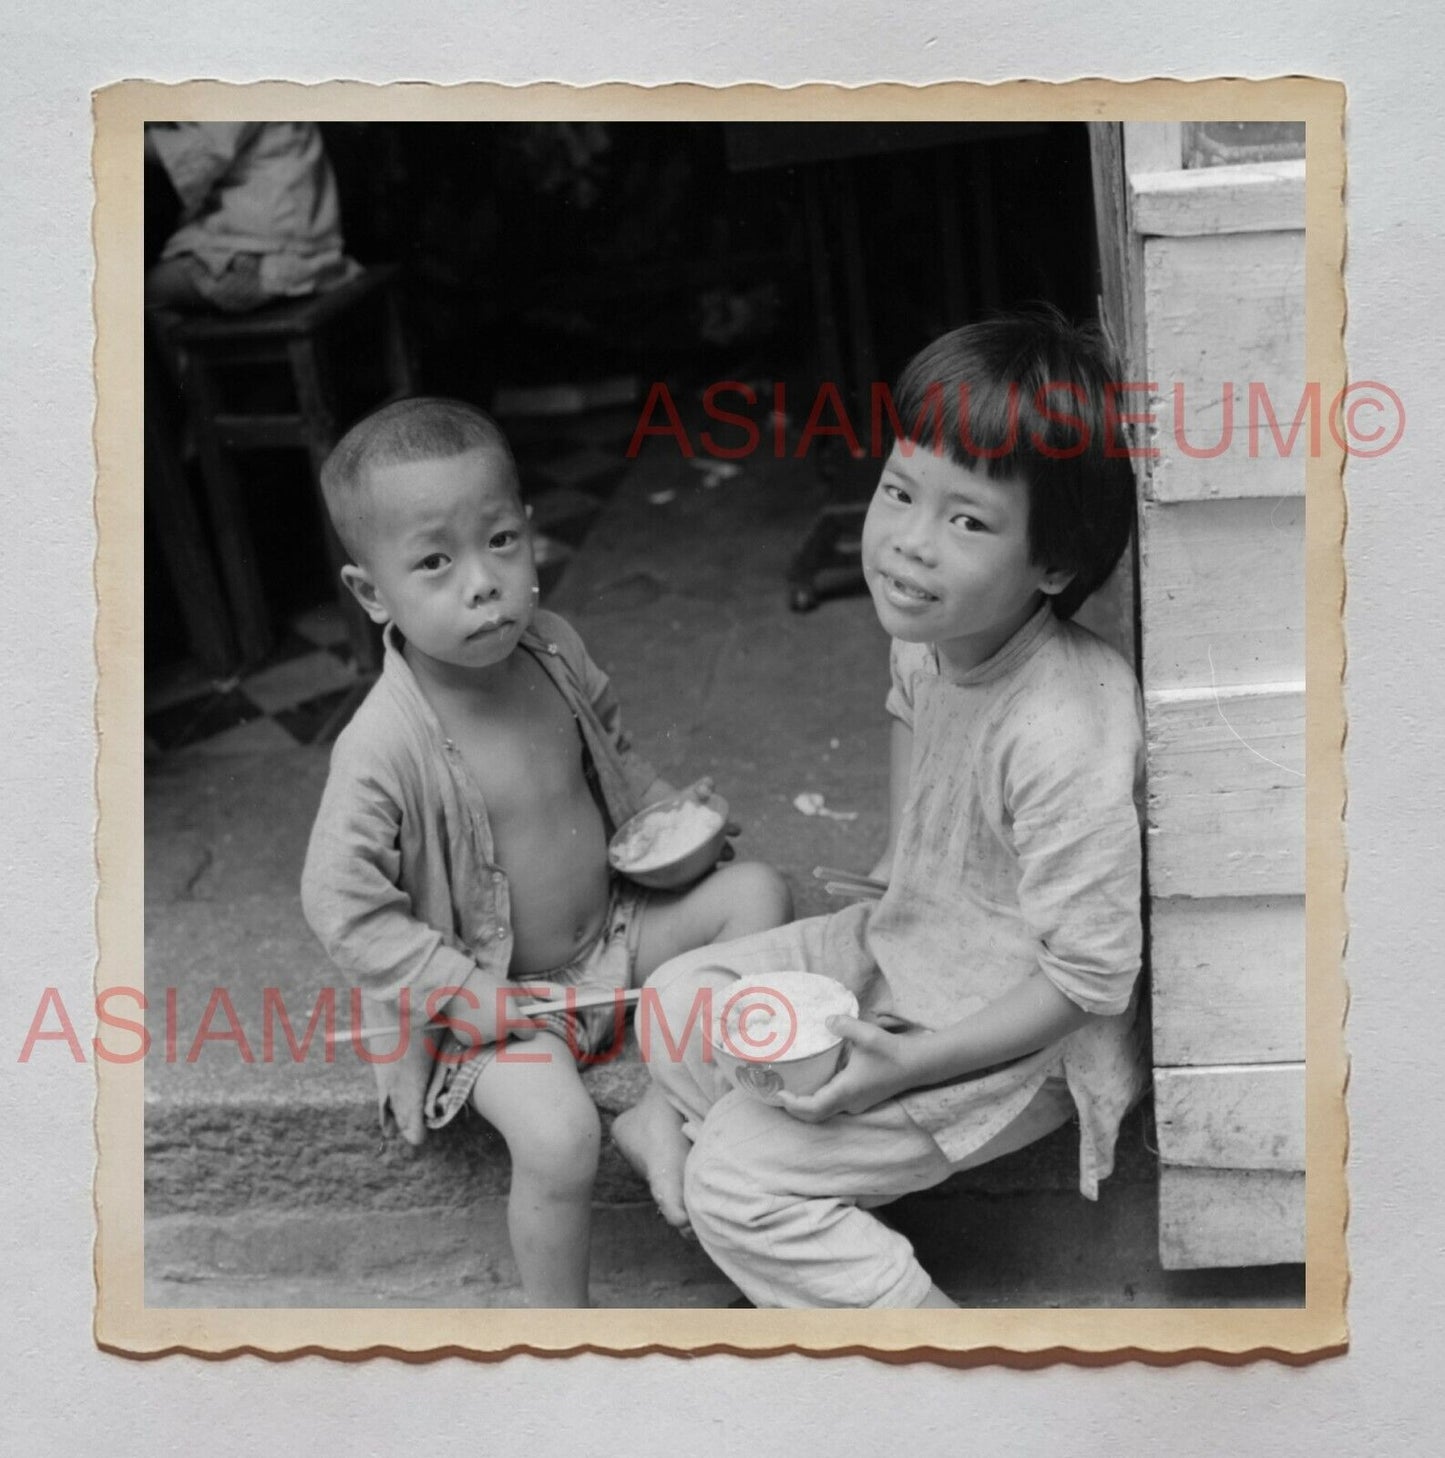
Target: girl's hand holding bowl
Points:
(771, 1034)
(880, 1065)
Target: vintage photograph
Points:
(724, 721)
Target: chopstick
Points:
(580, 1001)
(849, 883)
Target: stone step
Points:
(1029, 1249)
(443, 1257)
(326, 1151)
(303, 1203)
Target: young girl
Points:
(996, 976)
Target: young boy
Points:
(996, 975)
(461, 843)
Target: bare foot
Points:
(650, 1136)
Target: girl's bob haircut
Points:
(1031, 397)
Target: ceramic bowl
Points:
(768, 1033)
(690, 862)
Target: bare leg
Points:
(650, 1136)
(553, 1134)
(735, 901)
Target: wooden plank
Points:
(1121, 250)
(1228, 979)
(1222, 587)
(1225, 813)
(1260, 197)
(1226, 328)
(1238, 1116)
(172, 515)
(1111, 222)
(1230, 1217)
(1121, 260)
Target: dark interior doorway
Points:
(535, 254)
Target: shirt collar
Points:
(1027, 641)
(395, 666)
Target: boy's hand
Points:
(659, 789)
(880, 1066)
(702, 791)
(404, 1097)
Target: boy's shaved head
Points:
(422, 429)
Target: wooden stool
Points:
(171, 513)
(313, 366)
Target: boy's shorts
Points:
(607, 963)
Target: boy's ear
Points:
(1055, 581)
(363, 589)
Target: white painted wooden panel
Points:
(1221, 570)
(1225, 811)
(1249, 198)
(1153, 146)
(1228, 979)
(1222, 592)
(1225, 313)
(1230, 1217)
(1241, 1116)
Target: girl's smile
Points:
(946, 556)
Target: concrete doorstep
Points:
(441, 1258)
(306, 1205)
(1044, 1248)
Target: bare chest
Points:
(524, 752)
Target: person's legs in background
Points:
(171, 284)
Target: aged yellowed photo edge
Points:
(124, 1324)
